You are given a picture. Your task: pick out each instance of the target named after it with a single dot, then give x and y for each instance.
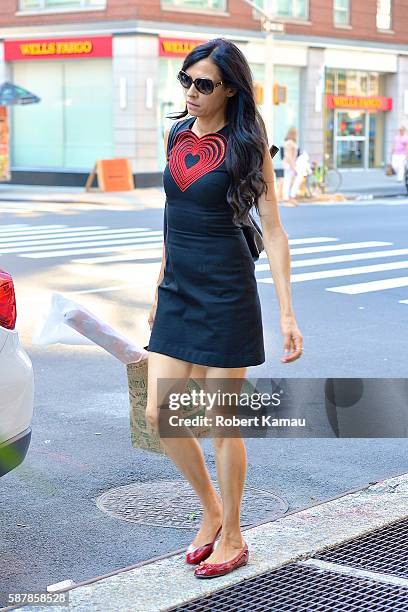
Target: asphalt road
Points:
(354, 326)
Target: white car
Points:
(16, 383)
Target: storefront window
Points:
(330, 82)
(352, 83)
(171, 99)
(340, 82)
(374, 84)
(195, 5)
(71, 127)
(286, 115)
(354, 138)
(29, 5)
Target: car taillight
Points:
(8, 309)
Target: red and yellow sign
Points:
(374, 103)
(177, 47)
(58, 48)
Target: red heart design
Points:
(211, 151)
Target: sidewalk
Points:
(355, 184)
(374, 181)
(164, 583)
(72, 195)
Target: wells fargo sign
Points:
(375, 103)
(177, 47)
(53, 48)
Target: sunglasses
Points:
(204, 86)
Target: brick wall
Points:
(239, 15)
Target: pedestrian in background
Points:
(303, 169)
(290, 153)
(400, 152)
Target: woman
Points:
(399, 153)
(207, 314)
(290, 153)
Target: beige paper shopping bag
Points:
(141, 437)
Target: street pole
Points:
(269, 26)
(268, 110)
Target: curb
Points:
(134, 197)
(165, 582)
(137, 200)
(138, 197)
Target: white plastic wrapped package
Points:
(68, 322)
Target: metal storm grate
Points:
(297, 588)
(384, 550)
(174, 503)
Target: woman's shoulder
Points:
(178, 126)
(180, 123)
(173, 130)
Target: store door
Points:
(351, 129)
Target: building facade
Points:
(105, 71)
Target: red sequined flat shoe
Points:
(212, 570)
(196, 554)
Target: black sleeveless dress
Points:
(208, 308)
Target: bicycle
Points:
(323, 179)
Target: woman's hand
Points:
(293, 340)
(152, 314)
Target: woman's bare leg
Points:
(186, 452)
(231, 462)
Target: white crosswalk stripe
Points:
(149, 255)
(99, 244)
(12, 225)
(376, 285)
(134, 245)
(13, 240)
(353, 288)
(42, 234)
(24, 229)
(57, 240)
(305, 276)
(315, 261)
(152, 252)
(38, 206)
(49, 245)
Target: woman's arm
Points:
(276, 244)
(161, 273)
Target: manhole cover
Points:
(173, 503)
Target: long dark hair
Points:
(248, 136)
